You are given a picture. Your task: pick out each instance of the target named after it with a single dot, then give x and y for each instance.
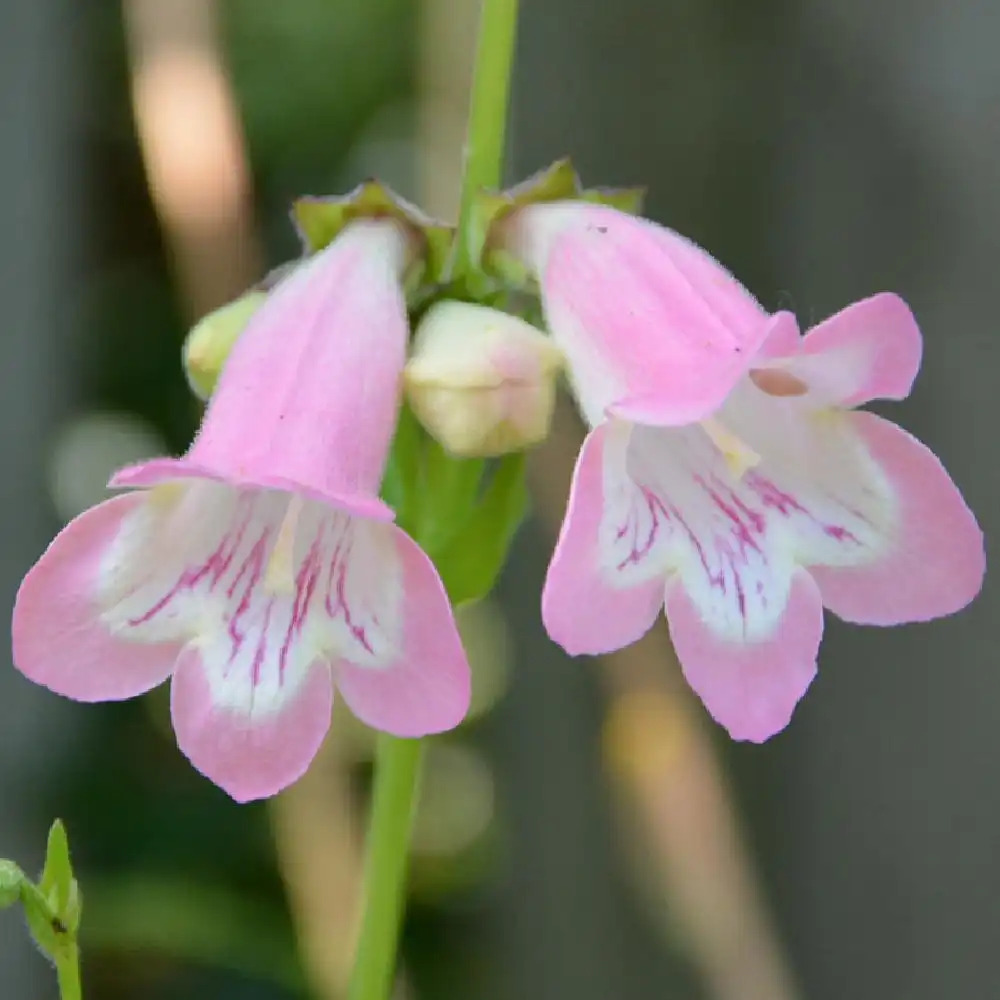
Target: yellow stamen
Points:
(279, 577)
(738, 455)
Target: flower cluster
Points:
(727, 479)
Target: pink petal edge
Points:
(428, 687)
(249, 758)
(869, 350)
(750, 688)
(935, 564)
(58, 638)
(581, 612)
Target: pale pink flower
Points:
(653, 329)
(761, 499)
(261, 569)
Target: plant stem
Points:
(68, 971)
(397, 761)
(487, 128)
(397, 767)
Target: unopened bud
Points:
(11, 878)
(482, 382)
(208, 345)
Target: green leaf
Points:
(57, 885)
(49, 932)
(473, 560)
(401, 481)
(448, 493)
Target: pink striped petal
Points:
(931, 559)
(59, 638)
(423, 686)
(751, 688)
(604, 587)
(250, 746)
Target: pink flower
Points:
(654, 330)
(261, 568)
(761, 499)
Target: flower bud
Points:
(11, 878)
(208, 344)
(482, 382)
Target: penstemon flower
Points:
(261, 570)
(728, 478)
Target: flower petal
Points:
(423, 685)
(251, 740)
(642, 314)
(752, 687)
(309, 395)
(604, 587)
(870, 350)
(931, 561)
(59, 637)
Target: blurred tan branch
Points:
(192, 147)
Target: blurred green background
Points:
(577, 838)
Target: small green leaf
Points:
(449, 491)
(474, 558)
(46, 928)
(57, 884)
(57, 874)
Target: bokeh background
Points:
(588, 835)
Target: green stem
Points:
(397, 767)
(68, 971)
(397, 762)
(487, 127)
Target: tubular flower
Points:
(653, 329)
(261, 569)
(761, 499)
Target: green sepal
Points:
(319, 220)
(11, 879)
(628, 200)
(557, 182)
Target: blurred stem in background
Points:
(397, 761)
